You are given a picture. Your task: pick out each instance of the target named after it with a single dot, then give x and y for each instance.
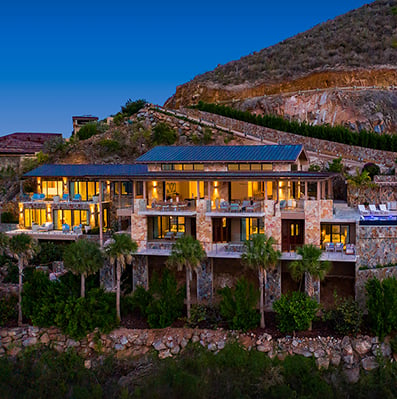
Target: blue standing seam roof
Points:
(87, 170)
(222, 153)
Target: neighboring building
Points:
(79, 121)
(220, 195)
(15, 146)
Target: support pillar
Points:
(205, 277)
(140, 272)
(100, 214)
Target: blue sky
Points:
(64, 58)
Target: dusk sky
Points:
(64, 58)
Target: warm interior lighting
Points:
(154, 184)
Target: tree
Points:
(83, 257)
(260, 255)
(120, 249)
(163, 134)
(336, 165)
(309, 263)
(187, 253)
(360, 179)
(132, 107)
(22, 247)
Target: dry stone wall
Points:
(351, 353)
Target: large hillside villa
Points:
(220, 195)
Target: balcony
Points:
(170, 208)
(245, 208)
(226, 250)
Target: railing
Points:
(172, 206)
(292, 205)
(227, 248)
(245, 206)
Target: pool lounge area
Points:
(378, 220)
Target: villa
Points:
(220, 195)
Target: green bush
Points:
(132, 107)
(347, 316)
(238, 305)
(166, 304)
(295, 312)
(87, 131)
(110, 146)
(209, 315)
(9, 217)
(82, 315)
(338, 134)
(382, 305)
(48, 252)
(137, 302)
(56, 303)
(163, 134)
(8, 309)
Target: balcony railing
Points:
(245, 206)
(172, 206)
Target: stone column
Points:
(100, 214)
(312, 287)
(107, 276)
(272, 286)
(140, 272)
(205, 277)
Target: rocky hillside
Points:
(352, 58)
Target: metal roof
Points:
(222, 153)
(141, 172)
(106, 171)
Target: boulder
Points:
(362, 346)
(322, 363)
(352, 375)
(369, 363)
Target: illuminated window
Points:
(250, 226)
(50, 188)
(37, 216)
(335, 233)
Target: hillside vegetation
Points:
(362, 38)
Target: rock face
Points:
(350, 353)
(359, 99)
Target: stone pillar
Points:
(312, 287)
(272, 286)
(107, 276)
(140, 272)
(203, 225)
(205, 277)
(318, 190)
(100, 214)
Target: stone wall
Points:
(312, 222)
(204, 224)
(139, 224)
(140, 272)
(311, 144)
(273, 221)
(349, 353)
(376, 245)
(362, 276)
(372, 194)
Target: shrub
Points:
(166, 304)
(295, 312)
(347, 316)
(163, 134)
(372, 169)
(132, 107)
(382, 305)
(110, 146)
(201, 314)
(8, 309)
(238, 305)
(87, 131)
(48, 252)
(83, 315)
(137, 302)
(9, 217)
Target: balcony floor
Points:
(46, 235)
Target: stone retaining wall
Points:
(349, 353)
(362, 276)
(373, 194)
(311, 144)
(376, 245)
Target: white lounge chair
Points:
(373, 209)
(383, 209)
(363, 211)
(47, 226)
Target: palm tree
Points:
(120, 249)
(310, 264)
(3, 243)
(260, 255)
(359, 179)
(22, 247)
(83, 257)
(187, 253)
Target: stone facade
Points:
(204, 224)
(139, 224)
(312, 222)
(272, 286)
(362, 276)
(376, 245)
(107, 276)
(326, 209)
(371, 194)
(140, 273)
(205, 278)
(350, 354)
(273, 221)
